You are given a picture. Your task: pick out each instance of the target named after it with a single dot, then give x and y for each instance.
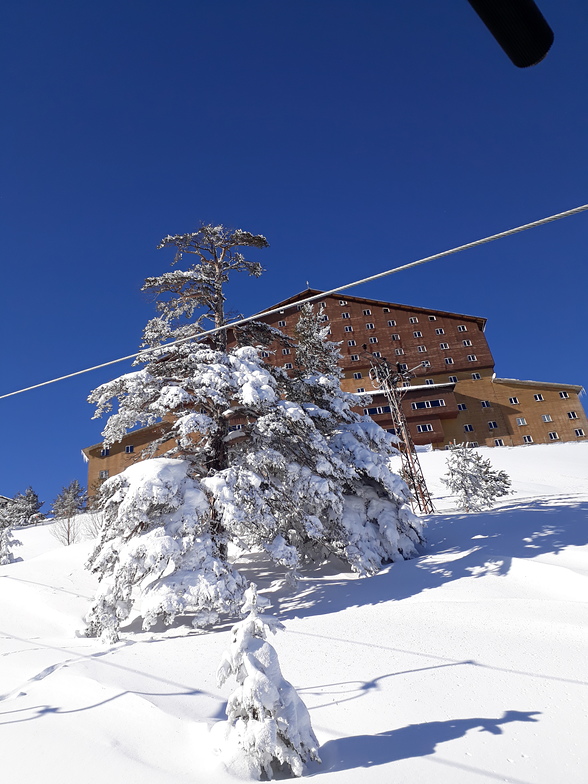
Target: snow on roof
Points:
(547, 384)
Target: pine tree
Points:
(268, 729)
(66, 507)
(471, 478)
(303, 476)
(25, 508)
(7, 541)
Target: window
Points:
(421, 349)
(377, 410)
(426, 363)
(233, 428)
(564, 395)
(468, 428)
(403, 366)
(449, 360)
(462, 328)
(345, 315)
(429, 381)
(521, 421)
(367, 312)
(444, 345)
(492, 426)
(129, 449)
(281, 323)
(351, 343)
(424, 428)
(265, 354)
(385, 310)
(553, 436)
(376, 354)
(432, 318)
(439, 331)
(343, 302)
(399, 351)
(547, 418)
(355, 357)
(472, 444)
(103, 474)
(527, 439)
(485, 403)
(579, 432)
(360, 389)
(357, 375)
(476, 376)
(514, 401)
(572, 415)
(453, 379)
(395, 337)
(538, 398)
(288, 366)
(369, 326)
(105, 452)
(323, 317)
(348, 329)
(428, 404)
(286, 351)
(462, 407)
(498, 442)
(472, 358)
(391, 323)
(405, 383)
(413, 320)
(467, 342)
(417, 334)
(373, 340)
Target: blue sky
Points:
(356, 136)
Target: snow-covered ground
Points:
(468, 664)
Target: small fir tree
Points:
(471, 478)
(268, 729)
(7, 541)
(25, 508)
(66, 507)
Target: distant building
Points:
(454, 395)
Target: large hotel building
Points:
(454, 395)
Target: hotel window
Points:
(288, 366)
(105, 452)
(564, 395)
(343, 302)
(468, 428)
(348, 329)
(444, 345)
(527, 439)
(539, 398)
(403, 366)
(417, 334)
(286, 351)
(129, 449)
(514, 401)
(476, 376)
(472, 358)
(471, 444)
(553, 436)
(421, 349)
(385, 310)
(103, 474)
(428, 404)
(462, 328)
(449, 360)
(354, 357)
(391, 323)
(498, 442)
(395, 337)
(579, 432)
(462, 407)
(572, 415)
(426, 363)
(439, 331)
(467, 342)
(453, 379)
(351, 343)
(367, 312)
(492, 426)
(429, 381)
(405, 383)
(547, 418)
(369, 326)
(373, 340)
(345, 315)
(521, 421)
(359, 390)
(281, 323)
(265, 354)
(234, 428)
(485, 403)
(432, 318)
(424, 428)
(323, 317)
(357, 375)
(413, 320)
(399, 351)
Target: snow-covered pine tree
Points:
(69, 503)
(7, 541)
(471, 478)
(25, 508)
(280, 472)
(268, 728)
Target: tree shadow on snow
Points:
(416, 740)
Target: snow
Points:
(464, 665)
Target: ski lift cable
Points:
(315, 297)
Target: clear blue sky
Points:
(355, 135)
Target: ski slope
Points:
(467, 664)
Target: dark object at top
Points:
(518, 26)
